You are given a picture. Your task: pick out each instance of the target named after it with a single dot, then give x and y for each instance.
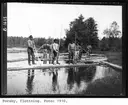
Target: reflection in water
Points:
(55, 79)
(87, 73)
(71, 78)
(30, 81)
(76, 80)
(77, 75)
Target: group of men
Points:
(74, 50)
(32, 48)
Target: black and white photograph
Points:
(64, 49)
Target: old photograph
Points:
(64, 49)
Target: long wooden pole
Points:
(60, 36)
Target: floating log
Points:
(112, 65)
(36, 67)
(24, 59)
(60, 59)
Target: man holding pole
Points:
(31, 48)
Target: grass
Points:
(108, 86)
(113, 57)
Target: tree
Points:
(104, 44)
(113, 31)
(92, 32)
(113, 34)
(82, 31)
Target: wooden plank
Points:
(36, 67)
(112, 65)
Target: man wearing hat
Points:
(30, 49)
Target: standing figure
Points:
(71, 51)
(80, 51)
(55, 51)
(77, 51)
(89, 48)
(50, 54)
(45, 56)
(30, 50)
(46, 51)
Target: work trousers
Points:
(31, 55)
(71, 55)
(55, 56)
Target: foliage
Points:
(113, 44)
(113, 41)
(22, 42)
(112, 31)
(82, 31)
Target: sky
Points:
(51, 20)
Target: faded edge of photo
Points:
(4, 49)
(4, 52)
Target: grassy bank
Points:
(113, 57)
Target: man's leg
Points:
(33, 58)
(45, 58)
(53, 57)
(69, 56)
(80, 55)
(50, 58)
(72, 57)
(29, 53)
(29, 59)
(57, 58)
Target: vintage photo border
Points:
(4, 50)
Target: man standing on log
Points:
(71, 51)
(55, 51)
(31, 48)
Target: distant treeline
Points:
(105, 44)
(16, 41)
(113, 44)
(22, 42)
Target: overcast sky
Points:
(51, 20)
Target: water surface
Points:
(65, 81)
